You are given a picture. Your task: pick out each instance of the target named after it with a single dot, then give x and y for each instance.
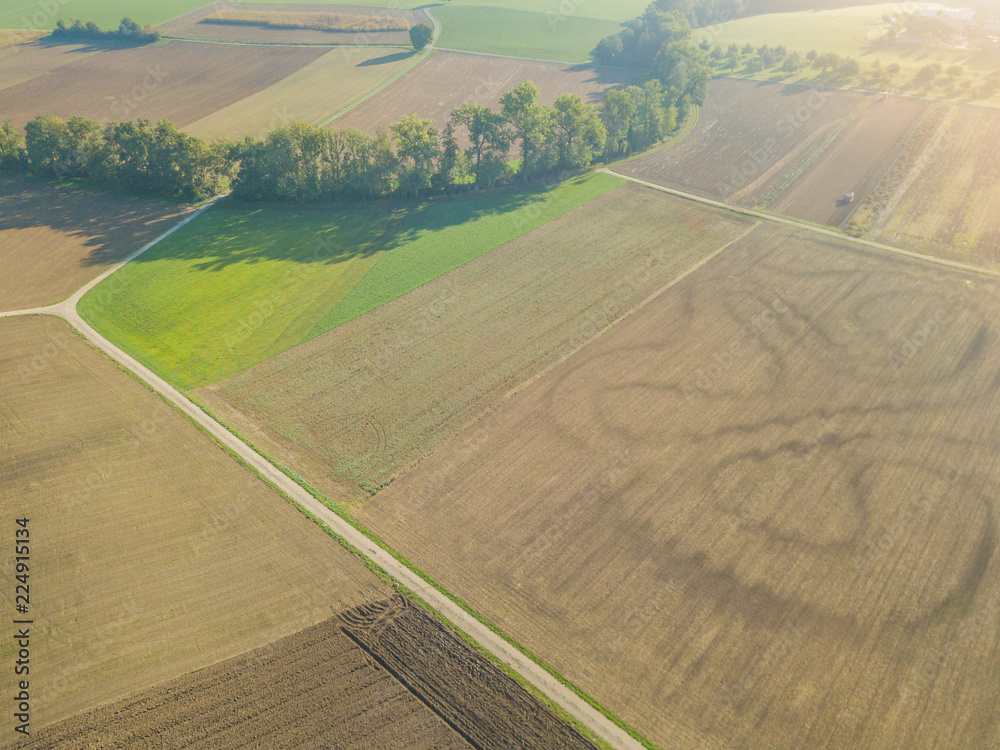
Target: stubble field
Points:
(357, 405)
(947, 200)
(153, 552)
(750, 137)
(447, 80)
(53, 240)
(178, 81)
(760, 512)
(193, 26)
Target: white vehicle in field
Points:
(848, 198)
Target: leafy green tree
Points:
(421, 35)
(580, 134)
(491, 141)
(13, 157)
(451, 163)
(533, 126)
(418, 148)
(618, 110)
(46, 141)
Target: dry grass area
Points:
(10, 37)
(177, 81)
(447, 80)
(751, 138)
(153, 552)
(313, 21)
(397, 22)
(946, 200)
(53, 240)
(310, 94)
(761, 512)
(358, 404)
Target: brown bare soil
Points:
(484, 705)
(855, 163)
(36, 59)
(53, 240)
(761, 512)
(750, 135)
(447, 80)
(314, 689)
(177, 81)
(356, 405)
(195, 25)
(153, 552)
(947, 201)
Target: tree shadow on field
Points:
(110, 227)
(386, 59)
(233, 232)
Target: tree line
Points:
(479, 148)
(128, 32)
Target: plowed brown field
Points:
(53, 240)
(192, 26)
(35, 59)
(356, 405)
(761, 512)
(447, 80)
(153, 552)
(177, 81)
(750, 137)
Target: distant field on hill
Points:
(31, 60)
(32, 14)
(447, 80)
(53, 240)
(153, 552)
(244, 283)
(357, 405)
(310, 94)
(761, 512)
(178, 81)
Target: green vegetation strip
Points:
(244, 283)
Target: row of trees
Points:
(660, 42)
(305, 163)
(132, 157)
(128, 32)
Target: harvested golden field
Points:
(53, 240)
(358, 404)
(26, 61)
(310, 94)
(751, 140)
(309, 21)
(447, 80)
(153, 553)
(945, 199)
(761, 512)
(178, 81)
(10, 37)
(381, 675)
(298, 24)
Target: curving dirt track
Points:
(178, 81)
(854, 163)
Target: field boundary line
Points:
(953, 264)
(306, 45)
(385, 84)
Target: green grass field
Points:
(551, 36)
(244, 283)
(32, 14)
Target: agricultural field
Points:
(178, 81)
(446, 80)
(56, 239)
(198, 25)
(855, 163)
(245, 283)
(10, 37)
(32, 14)
(30, 60)
(354, 407)
(760, 512)
(944, 198)
(352, 682)
(153, 552)
(311, 94)
(856, 32)
(750, 138)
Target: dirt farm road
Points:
(506, 652)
